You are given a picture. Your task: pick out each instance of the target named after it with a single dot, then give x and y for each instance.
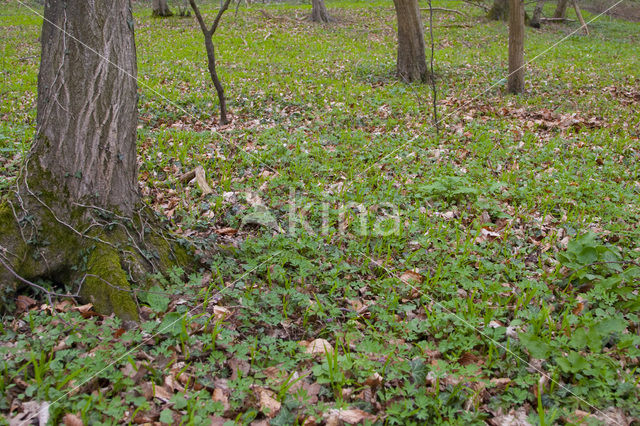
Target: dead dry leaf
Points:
(23, 303)
(72, 420)
(226, 231)
(317, 347)
(268, 403)
(350, 416)
(32, 411)
(513, 418)
(409, 276)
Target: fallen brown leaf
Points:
(267, 400)
(72, 420)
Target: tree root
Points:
(94, 253)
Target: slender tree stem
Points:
(211, 57)
(432, 77)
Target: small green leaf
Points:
(579, 338)
(156, 300)
(536, 347)
(166, 416)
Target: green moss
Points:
(106, 285)
(171, 254)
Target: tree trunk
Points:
(411, 63)
(211, 57)
(211, 61)
(76, 218)
(499, 11)
(161, 8)
(537, 14)
(515, 81)
(184, 9)
(319, 12)
(561, 9)
(580, 18)
(87, 115)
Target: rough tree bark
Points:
(561, 9)
(411, 62)
(500, 12)
(319, 12)
(537, 14)
(211, 57)
(515, 80)
(75, 216)
(161, 8)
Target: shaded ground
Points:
(627, 10)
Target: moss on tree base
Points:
(106, 284)
(97, 257)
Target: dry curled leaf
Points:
(268, 403)
(226, 231)
(351, 416)
(23, 303)
(409, 277)
(374, 380)
(317, 347)
(72, 420)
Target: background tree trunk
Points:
(499, 10)
(515, 81)
(319, 11)
(211, 57)
(561, 9)
(184, 9)
(537, 14)
(411, 63)
(161, 8)
(85, 141)
(579, 15)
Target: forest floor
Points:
(357, 265)
(628, 10)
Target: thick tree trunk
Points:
(561, 9)
(161, 8)
(319, 11)
(87, 115)
(411, 63)
(515, 81)
(76, 218)
(537, 14)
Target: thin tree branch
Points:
(196, 11)
(216, 22)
